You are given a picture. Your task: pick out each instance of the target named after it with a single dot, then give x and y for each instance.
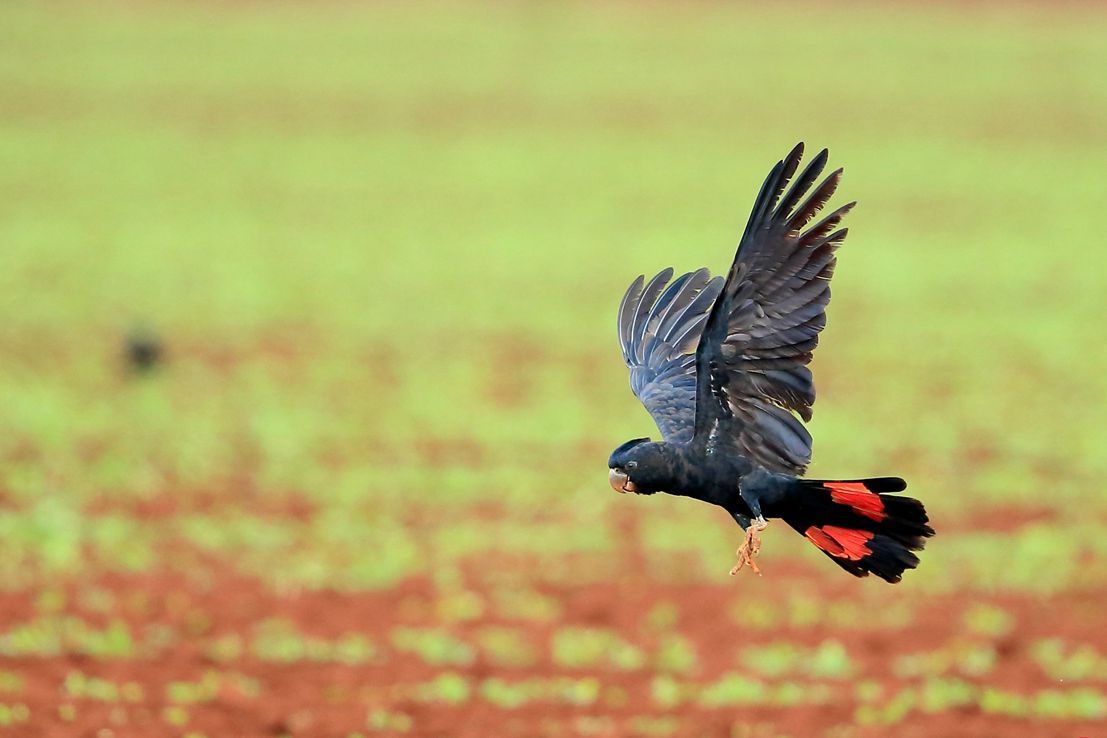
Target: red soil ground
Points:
(251, 697)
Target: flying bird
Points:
(721, 366)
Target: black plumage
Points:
(721, 366)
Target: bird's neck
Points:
(685, 469)
(712, 478)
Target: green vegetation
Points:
(829, 660)
(269, 219)
(433, 646)
(1071, 663)
(575, 648)
(507, 646)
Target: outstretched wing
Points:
(659, 327)
(751, 363)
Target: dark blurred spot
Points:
(144, 351)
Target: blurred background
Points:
(309, 372)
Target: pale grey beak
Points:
(620, 482)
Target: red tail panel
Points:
(856, 495)
(844, 543)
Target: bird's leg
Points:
(750, 545)
(753, 502)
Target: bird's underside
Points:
(721, 365)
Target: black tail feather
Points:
(859, 526)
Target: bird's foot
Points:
(750, 547)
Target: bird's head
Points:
(635, 466)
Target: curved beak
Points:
(620, 482)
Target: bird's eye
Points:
(632, 465)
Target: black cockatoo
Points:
(729, 413)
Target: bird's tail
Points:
(859, 525)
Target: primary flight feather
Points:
(721, 367)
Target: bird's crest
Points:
(624, 448)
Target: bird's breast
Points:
(712, 478)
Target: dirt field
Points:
(796, 653)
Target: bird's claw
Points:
(751, 546)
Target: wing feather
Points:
(752, 334)
(659, 327)
(753, 385)
(646, 303)
(627, 308)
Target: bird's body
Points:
(730, 413)
(688, 471)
